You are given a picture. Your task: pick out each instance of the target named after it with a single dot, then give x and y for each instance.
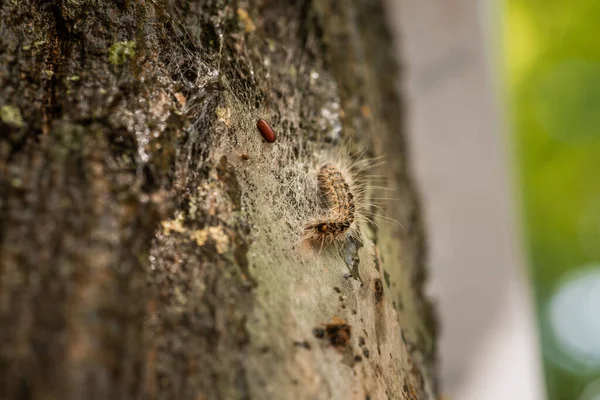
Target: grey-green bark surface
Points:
(151, 240)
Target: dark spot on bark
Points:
(150, 182)
(386, 276)
(264, 349)
(338, 333)
(376, 258)
(361, 341)
(357, 358)
(303, 344)
(319, 333)
(337, 289)
(378, 290)
(366, 352)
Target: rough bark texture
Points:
(151, 240)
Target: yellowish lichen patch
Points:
(249, 26)
(180, 99)
(200, 236)
(220, 237)
(224, 115)
(173, 225)
(119, 52)
(215, 233)
(11, 116)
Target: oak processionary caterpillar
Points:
(342, 191)
(342, 208)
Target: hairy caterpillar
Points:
(343, 185)
(342, 207)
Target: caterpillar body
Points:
(338, 195)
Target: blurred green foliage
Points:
(552, 56)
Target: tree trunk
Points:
(151, 240)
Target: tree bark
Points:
(151, 239)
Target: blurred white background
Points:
(450, 53)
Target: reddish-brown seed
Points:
(265, 130)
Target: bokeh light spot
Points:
(573, 316)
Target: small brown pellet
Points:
(265, 130)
